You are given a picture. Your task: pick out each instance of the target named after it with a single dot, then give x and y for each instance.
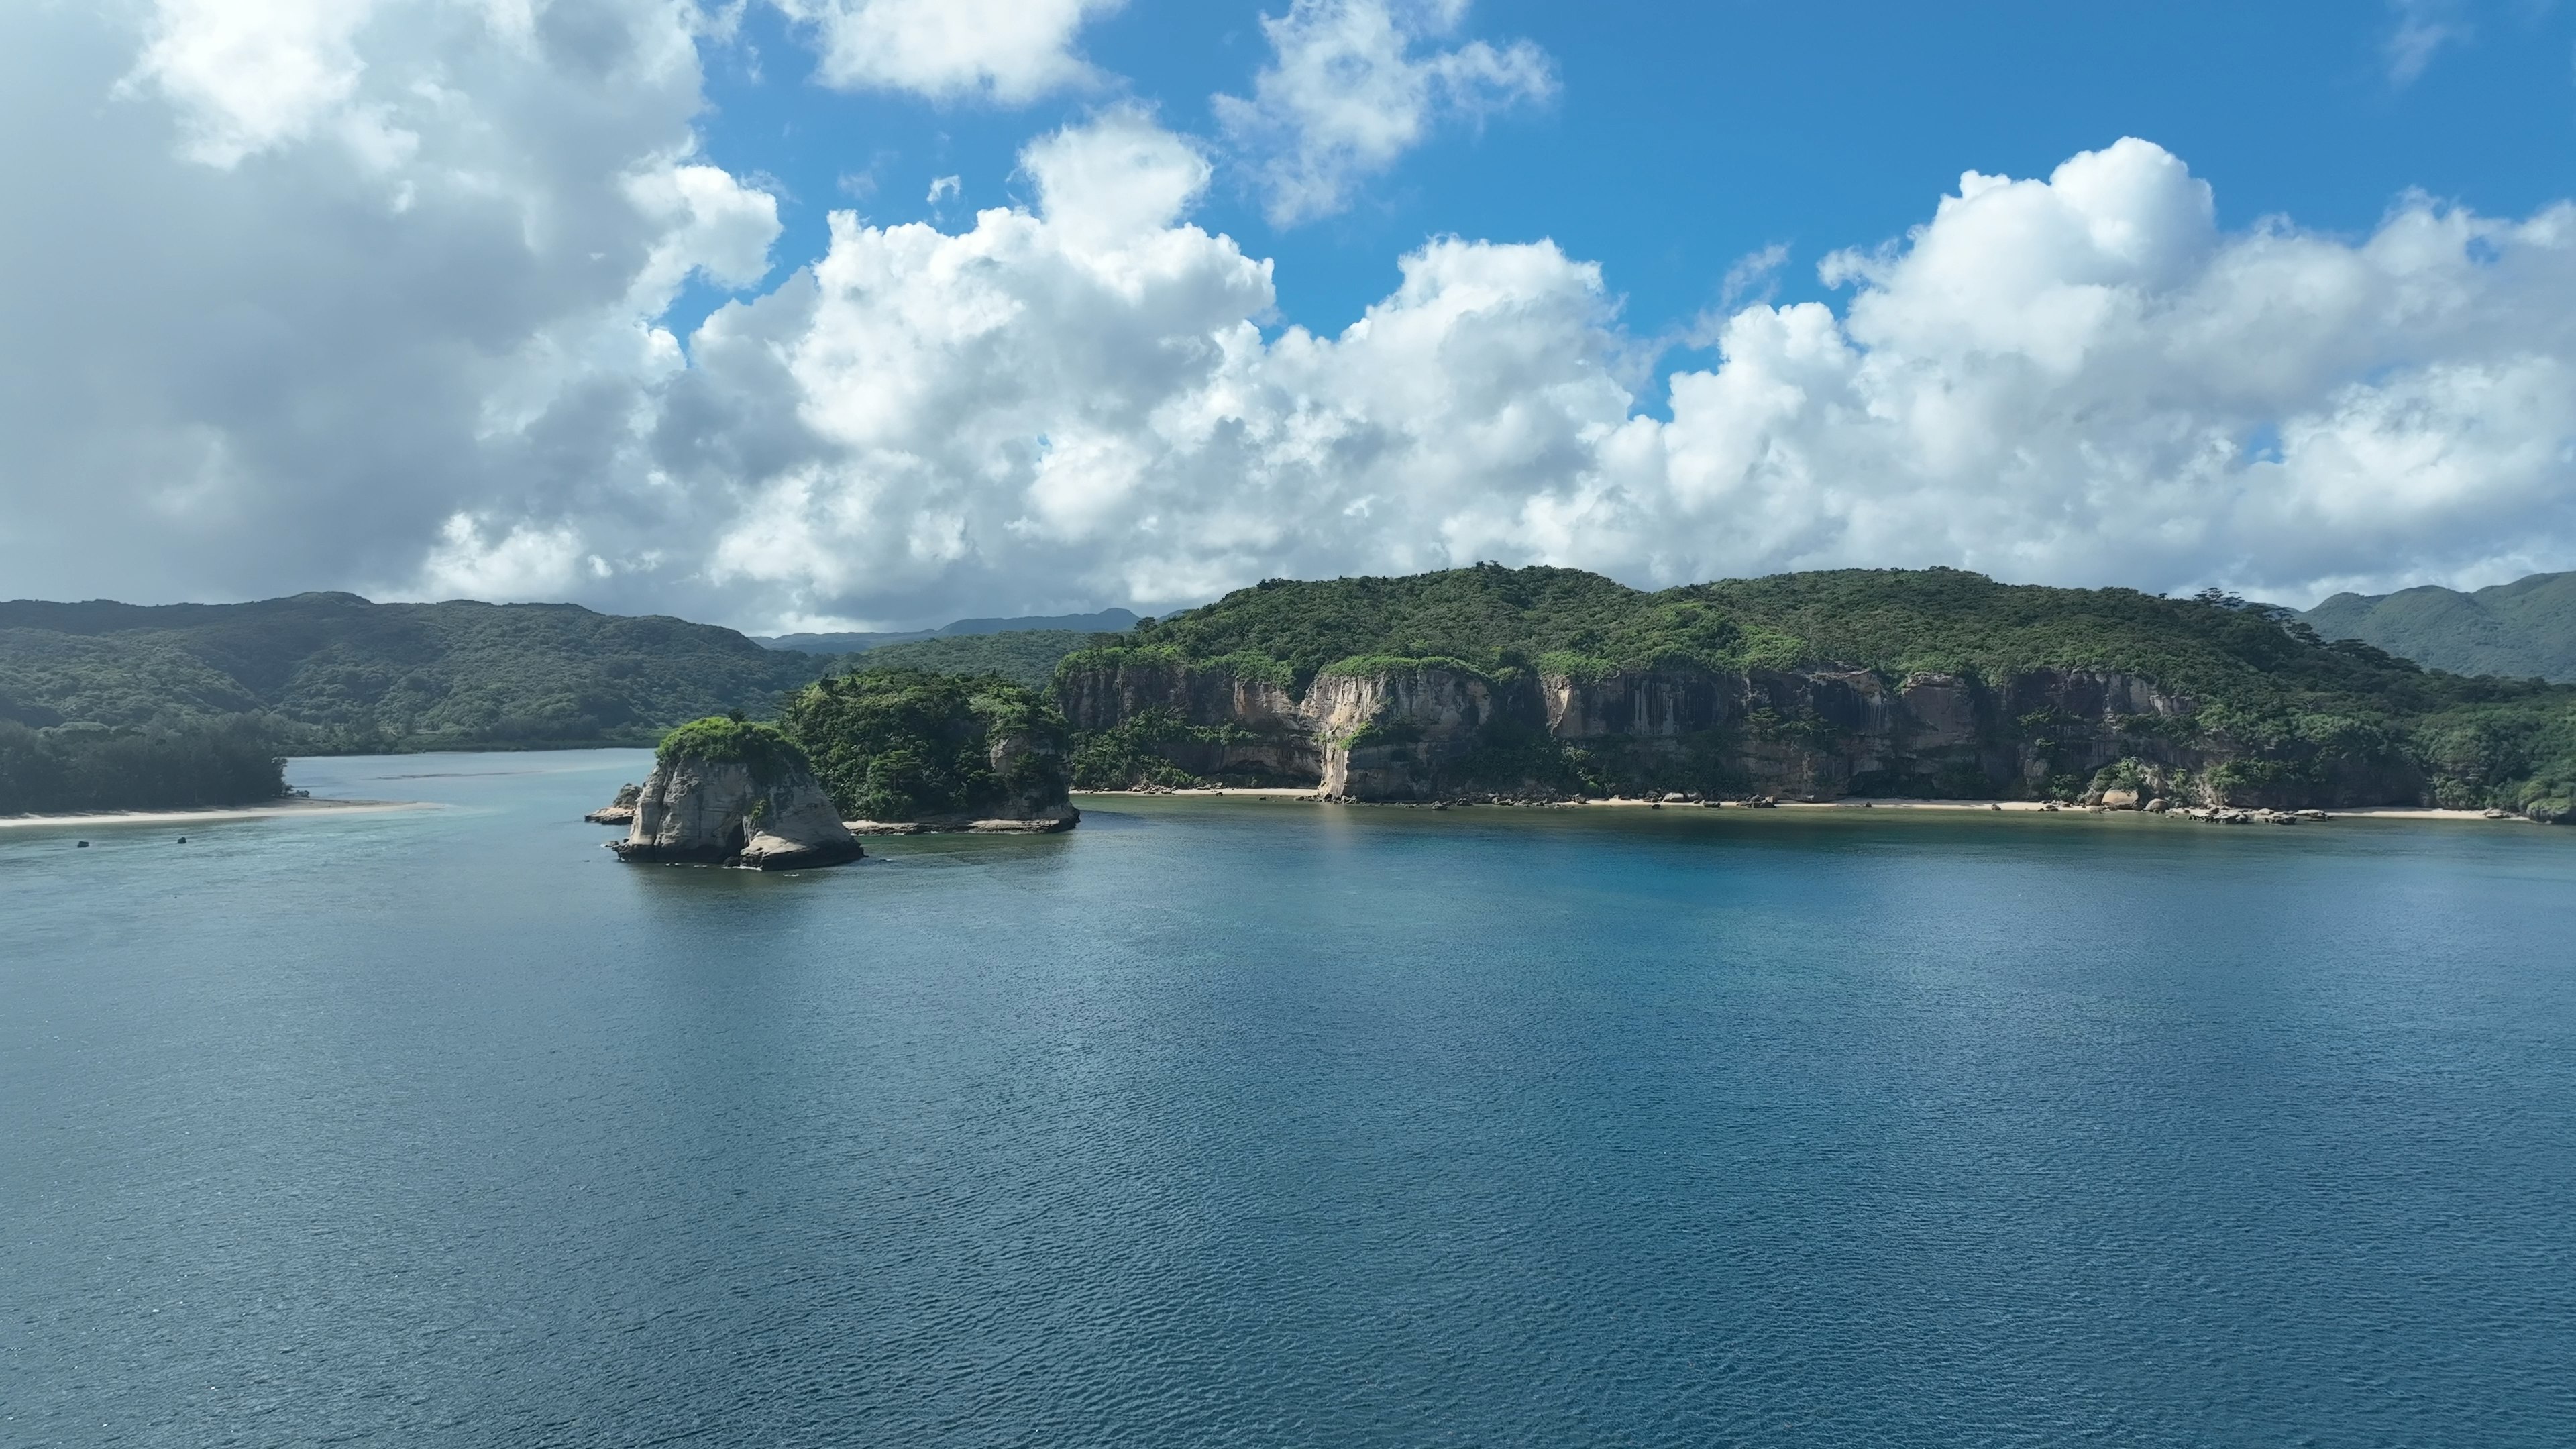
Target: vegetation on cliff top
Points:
(1571, 623)
(732, 740)
(907, 744)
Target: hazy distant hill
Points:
(1107, 621)
(2522, 630)
(365, 675)
(1026, 656)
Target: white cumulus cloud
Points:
(1351, 87)
(527, 561)
(2078, 379)
(2082, 378)
(1009, 51)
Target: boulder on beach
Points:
(728, 792)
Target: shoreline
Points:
(213, 813)
(2418, 813)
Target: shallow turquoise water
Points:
(1216, 1123)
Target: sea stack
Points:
(729, 792)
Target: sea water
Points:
(1238, 1123)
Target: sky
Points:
(875, 313)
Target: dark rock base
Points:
(813, 858)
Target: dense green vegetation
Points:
(1136, 750)
(227, 761)
(1491, 617)
(350, 676)
(1027, 657)
(2269, 686)
(2525, 629)
(908, 745)
(733, 740)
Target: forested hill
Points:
(1570, 623)
(2523, 630)
(348, 674)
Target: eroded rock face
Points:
(1038, 803)
(717, 813)
(1270, 734)
(620, 811)
(1431, 732)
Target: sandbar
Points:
(212, 813)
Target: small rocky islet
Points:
(871, 753)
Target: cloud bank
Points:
(391, 323)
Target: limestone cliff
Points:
(1031, 767)
(1430, 731)
(764, 814)
(1207, 722)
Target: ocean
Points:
(1223, 1122)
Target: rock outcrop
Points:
(1434, 731)
(620, 811)
(768, 816)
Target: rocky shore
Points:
(2211, 815)
(1041, 820)
(620, 811)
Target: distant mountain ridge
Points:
(349, 674)
(1107, 621)
(2522, 630)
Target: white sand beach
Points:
(212, 814)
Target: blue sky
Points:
(1686, 137)
(547, 299)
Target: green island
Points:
(183, 765)
(888, 751)
(1860, 682)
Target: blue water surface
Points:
(1235, 1123)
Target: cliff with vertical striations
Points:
(1553, 683)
